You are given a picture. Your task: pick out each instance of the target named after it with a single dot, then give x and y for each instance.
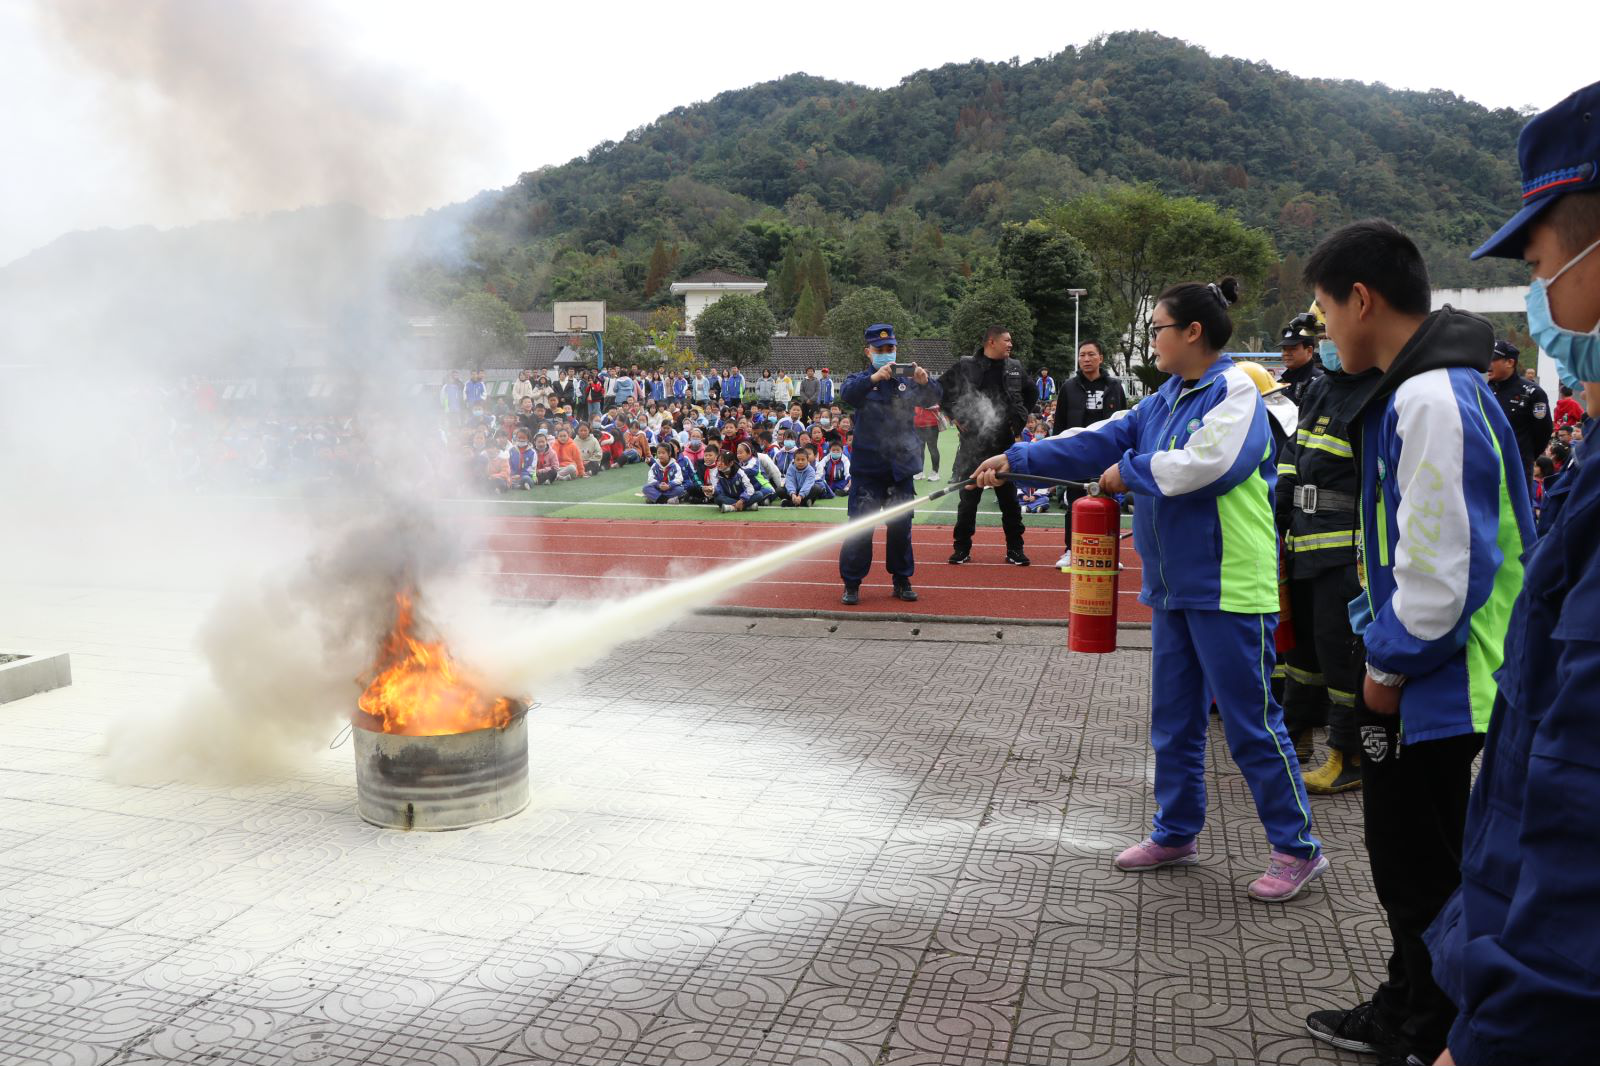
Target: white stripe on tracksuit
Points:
(1210, 451)
(1432, 524)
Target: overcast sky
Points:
(541, 86)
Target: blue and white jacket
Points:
(1199, 457)
(672, 473)
(1445, 518)
(835, 472)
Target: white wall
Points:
(1507, 299)
(694, 303)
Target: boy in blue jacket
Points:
(1517, 948)
(1198, 455)
(835, 470)
(801, 485)
(1444, 517)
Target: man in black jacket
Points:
(990, 397)
(1089, 396)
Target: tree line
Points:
(1118, 166)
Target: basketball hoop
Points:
(575, 341)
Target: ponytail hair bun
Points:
(1206, 303)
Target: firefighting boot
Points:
(1340, 773)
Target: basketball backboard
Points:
(580, 316)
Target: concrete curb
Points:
(892, 616)
(35, 672)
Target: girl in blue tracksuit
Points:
(665, 484)
(1198, 456)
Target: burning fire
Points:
(419, 690)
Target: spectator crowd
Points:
(713, 436)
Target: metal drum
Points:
(443, 782)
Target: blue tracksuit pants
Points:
(867, 495)
(1205, 655)
(655, 493)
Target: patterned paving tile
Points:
(911, 867)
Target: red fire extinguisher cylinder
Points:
(1096, 550)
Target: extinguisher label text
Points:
(1094, 574)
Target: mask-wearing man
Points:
(886, 458)
(1517, 948)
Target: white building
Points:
(700, 291)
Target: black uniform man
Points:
(886, 456)
(1089, 396)
(1526, 406)
(990, 397)
(1299, 368)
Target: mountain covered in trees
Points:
(907, 188)
(830, 190)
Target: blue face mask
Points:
(881, 359)
(1577, 355)
(1329, 355)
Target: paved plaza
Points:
(750, 841)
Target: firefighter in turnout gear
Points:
(1316, 512)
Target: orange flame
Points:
(419, 691)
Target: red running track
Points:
(550, 558)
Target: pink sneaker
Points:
(1148, 855)
(1286, 876)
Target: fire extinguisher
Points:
(1096, 561)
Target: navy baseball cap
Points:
(1558, 152)
(879, 335)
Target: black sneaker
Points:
(1015, 557)
(960, 555)
(903, 590)
(1357, 1029)
(852, 595)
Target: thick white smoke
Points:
(243, 106)
(261, 105)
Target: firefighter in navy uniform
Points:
(1300, 365)
(1315, 505)
(1526, 406)
(886, 456)
(990, 397)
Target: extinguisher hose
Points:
(1086, 486)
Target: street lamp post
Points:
(1075, 294)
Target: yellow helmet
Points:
(1259, 376)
